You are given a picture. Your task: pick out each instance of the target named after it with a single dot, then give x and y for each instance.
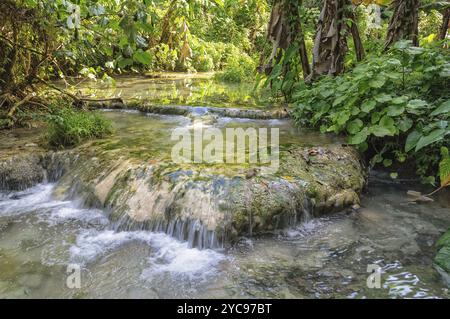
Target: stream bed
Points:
(43, 237)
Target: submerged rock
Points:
(188, 110)
(20, 172)
(208, 205)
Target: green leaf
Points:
(443, 108)
(444, 151)
(378, 82)
(381, 131)
(123, 63)
(402, 44)
(343, 117)
(431, 138)
(395, 62)
(395, 110)
(444, 171)
(378, 158)
(399, 100)
(339, 100)
(354, 126)
(142, 57)
(383, 98)
(368, 105)
(416, 104)
(359, 137)
(415, 50)
(363, 147)
(387, 162)
(355, 110)
(429, 180)
(405, 124)
(326, 93)
(393, 175)
(416, 107)
(411, 140)
(123, 41)
(384, 128)
(387, 122)
(375, 117)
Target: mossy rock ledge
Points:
(144, 107)
(207, 205)
(442, 259)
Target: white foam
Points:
(38, 199)
(29, 200)
(176, 257)
(71, 212)
(167, 254)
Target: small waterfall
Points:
(192, 231)
(205, 207)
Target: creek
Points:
(53, 224)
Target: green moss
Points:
(119, 186)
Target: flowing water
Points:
(324, 257)
(43, 238)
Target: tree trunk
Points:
(306, 68)
(404, 23)
(359, 48)
(7, 73)
(330, 44)
(445, 23)
(284, 30)
(166, 34)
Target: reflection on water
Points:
(322, 258)
(175, 89)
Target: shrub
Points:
(68, 127)
(164, 57)
(390, 107)
(206, 56)
(239, 67)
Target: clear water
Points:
(323, 258)
(176, 89)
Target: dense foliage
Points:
(133, 35)
(374, 71)
(396, 104)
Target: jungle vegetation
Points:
(374, 71)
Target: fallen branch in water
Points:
(79, 99)
(13, 109)
(54, 87)
(418, 197)
(112, 99)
